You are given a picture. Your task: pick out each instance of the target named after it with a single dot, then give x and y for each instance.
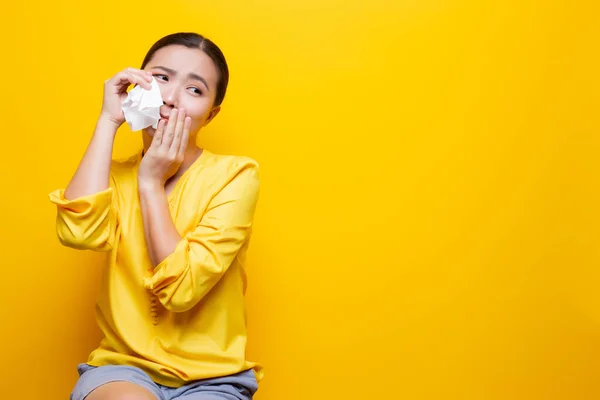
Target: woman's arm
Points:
(186, 268)
(86, 211)
(159, 230)
(202, 256)
(162, 160)
(93, 173)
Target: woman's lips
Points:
(164, 114)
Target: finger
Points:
(124, 78)
(121, 81)
(186, 136)
(127, 77)
(178, 131)
(136, 70)
(167, 138)
(140, 80)
(158, 133)
(144, 77)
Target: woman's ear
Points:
(213, 113)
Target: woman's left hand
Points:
(165, 155)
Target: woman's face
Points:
(187, 79)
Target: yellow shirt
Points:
(185, 319)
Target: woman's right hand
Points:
(115, 92)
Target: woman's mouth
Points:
(164, 113)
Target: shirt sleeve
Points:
(87, 222)
(203, 256)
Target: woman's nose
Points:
(170, 97)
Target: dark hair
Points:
(195, 41)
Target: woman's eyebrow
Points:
(191, 75)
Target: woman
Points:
(176, 220)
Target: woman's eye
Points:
(196, 90)
(161, 77)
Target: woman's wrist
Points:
(148, 186)
(108, 124)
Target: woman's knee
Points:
(120, 391)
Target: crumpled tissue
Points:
(142, 107)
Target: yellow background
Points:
(428, 225)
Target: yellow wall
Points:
(428, 226)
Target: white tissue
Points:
(142, 107)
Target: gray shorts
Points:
(240, 386)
